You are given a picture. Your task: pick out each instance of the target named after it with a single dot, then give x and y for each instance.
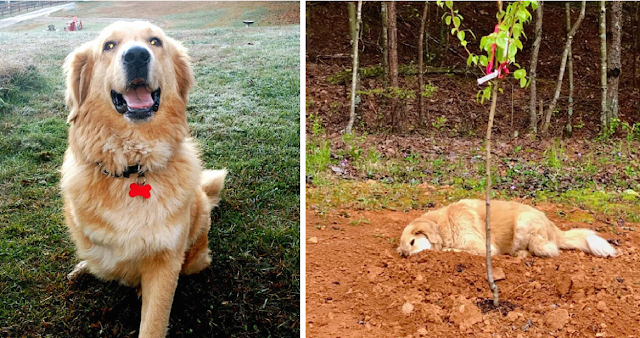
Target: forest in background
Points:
(450, 88)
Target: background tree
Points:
(393, 59)
(423, 21)
(569, 126)
(563, 63)
(533, 117)
(604, 115)
(385, 43)
(613, 62)
(355, 79)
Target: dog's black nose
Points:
(136, 56)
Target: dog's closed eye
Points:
(412, 241)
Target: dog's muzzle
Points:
(139, 102)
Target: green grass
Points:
(244, 113)
(602, 181)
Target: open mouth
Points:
(138, 102)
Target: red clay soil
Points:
(358, 286)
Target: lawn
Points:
(244, 113)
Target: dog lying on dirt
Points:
(516, 229)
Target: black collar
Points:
(133, 169)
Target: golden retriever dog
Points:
(137, 201)
(516, 229)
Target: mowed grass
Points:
(96, 15)
(244, 113)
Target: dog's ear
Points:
(429, 229)
(184, 74)
(79, 68)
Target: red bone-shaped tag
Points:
(140, 190)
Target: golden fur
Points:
(516, 229)
(137, 241)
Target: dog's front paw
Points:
(79, 269)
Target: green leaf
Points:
(463, 43)
(469, 60)
(456, 22)
(520, 73)
(523, 82)
(447, 20)
(513, 49)
(461, 35)
(449, 4)
(484, 60)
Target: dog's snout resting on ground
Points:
(516, 229)
(137, 201)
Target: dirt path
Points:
(357, 286)
(4, 23)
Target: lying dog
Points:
(516, 229)
(137, 202)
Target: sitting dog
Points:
(516, 229)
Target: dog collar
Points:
(133, 169)
(135, 189)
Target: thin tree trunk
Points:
(351, 9)
(421, 61)
(635, 43)
(563, 64)
(385, 43)
(533, 117)
(614, 65)
(393, 59)
(569, 128)
(604, 120)
(354, 78)
(492, 283)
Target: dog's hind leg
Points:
(79, 269)
(198, 256)
(541, 246)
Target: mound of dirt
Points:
(358, 286)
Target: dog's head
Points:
(419, 235)
(131, 71)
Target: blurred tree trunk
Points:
(385, 43)
(421, 61)
(604, 116)
(393, 59)
(355, 79)
(563, 64)
(569, 127)
(533, 117)
(636, 35)
(614, 65)
(351, 9)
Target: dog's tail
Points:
(585, 240)
(212, 182)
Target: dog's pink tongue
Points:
(138, 98)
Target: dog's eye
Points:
(155, 42)
(412, 241)
(109, 45)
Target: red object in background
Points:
(74, 25)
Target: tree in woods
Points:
(613, 60)
(604, 115)
(563, 63)
(501, 48)
(355, 37)
(393, 58)
(569, 127)
(385, 43)
(423, 21)
(533, 117)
